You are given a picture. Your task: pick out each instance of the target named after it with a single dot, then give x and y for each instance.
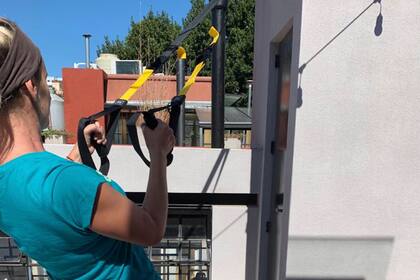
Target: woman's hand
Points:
(94, 132)
(160, 141)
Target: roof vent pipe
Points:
(87, 49)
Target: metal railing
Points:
(177, 258)
(14, 265)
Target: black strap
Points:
(113, 111)
(174, 109)
(181, 37)
(132, 133)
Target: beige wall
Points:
(356, 171)
(274, 19)
(196, 170)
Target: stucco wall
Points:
(197, 170)
(274, 19)
(356, 170)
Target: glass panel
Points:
(194, 227)
(172, 227)
(192, 135)
(285, 60)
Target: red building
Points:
(87, 90)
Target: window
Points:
(191, 128)
(284, 60)
(121, 133)
(185, 251)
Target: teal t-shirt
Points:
(46, 206)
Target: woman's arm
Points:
(118, 217)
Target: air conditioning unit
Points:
(128, 67)
(112, 65)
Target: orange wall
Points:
(83, 96)
(157, 88)
(87, 90)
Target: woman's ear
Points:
(30, 87)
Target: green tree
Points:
(145, 40)
(155, 32)
(116, 47)
(198, 39)
(239, 45)
(239, 42)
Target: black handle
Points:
(85, 155)
(151, 122)
(113, 113)
(82, 145)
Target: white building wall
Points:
(57, 112)
(196, 170)
(356, 171)
(274, 19)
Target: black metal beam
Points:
(180, 81)
(235, 199)
(218, 77)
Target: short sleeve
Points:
(74, 194)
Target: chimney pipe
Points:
(87, 49)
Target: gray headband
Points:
(22, 62)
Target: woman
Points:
(72, 220)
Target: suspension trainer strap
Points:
(151, 122)
(113, 113)
(114, 110)
(174, 107)
(132, 132)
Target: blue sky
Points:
(56, 26)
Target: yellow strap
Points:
(191, 80)
(137, 84)
(181, 53)
(214, 34)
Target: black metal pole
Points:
(218, 77)
(180, 81)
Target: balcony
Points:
(209, 201)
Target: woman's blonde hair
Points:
(7, 33)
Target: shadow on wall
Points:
(377, 31)
(231, 224)
(215, 172)
(217, 168)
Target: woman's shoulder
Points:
(44, 166)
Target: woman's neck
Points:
(26, 134)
